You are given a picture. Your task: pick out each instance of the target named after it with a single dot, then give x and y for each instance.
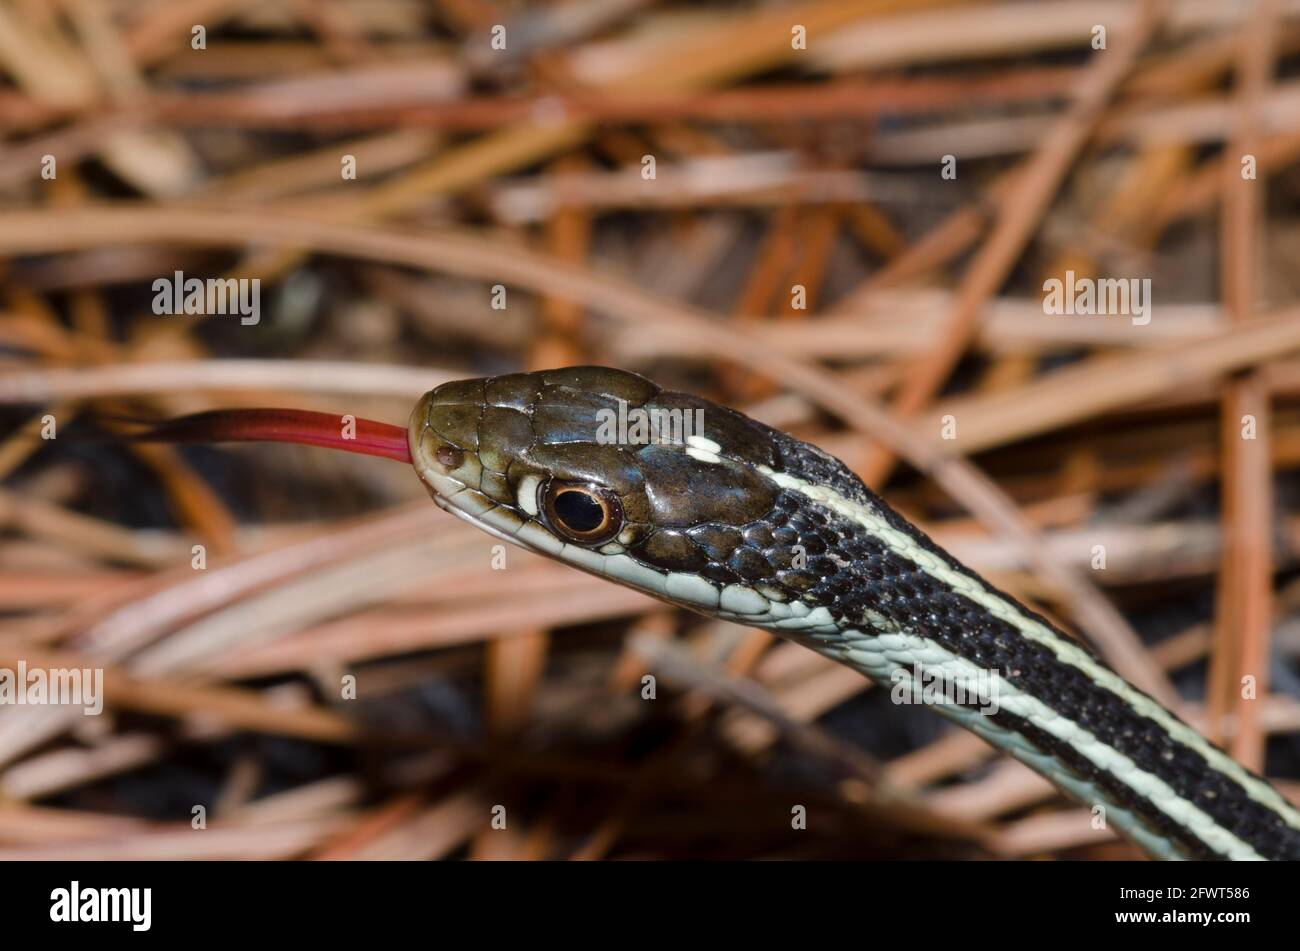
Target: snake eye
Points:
(583, 513)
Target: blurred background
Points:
(841, 216)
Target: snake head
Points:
(602, 469)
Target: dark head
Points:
(602, 469)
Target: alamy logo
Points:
(1104, 297)
(56, 686)
(178, 294)
(75, 903)
(936, 686)
(637, 426)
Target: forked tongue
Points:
(364, 436)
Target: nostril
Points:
(449, 456)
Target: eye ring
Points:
(581, 512)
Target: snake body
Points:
(746, 523)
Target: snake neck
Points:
(905, 613)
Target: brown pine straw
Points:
(1025, 202)
(704, 58)
(475, 257)
(228, 706)
(1116, 449)
(1245, 592)
(1094, 387)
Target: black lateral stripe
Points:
(1114, 788)
(867, 575)
(968, 630)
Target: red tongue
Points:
(363, 436)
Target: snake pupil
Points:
(579, 512)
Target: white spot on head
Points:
(700, 442)
(702, 455)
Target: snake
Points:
(705, 508)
